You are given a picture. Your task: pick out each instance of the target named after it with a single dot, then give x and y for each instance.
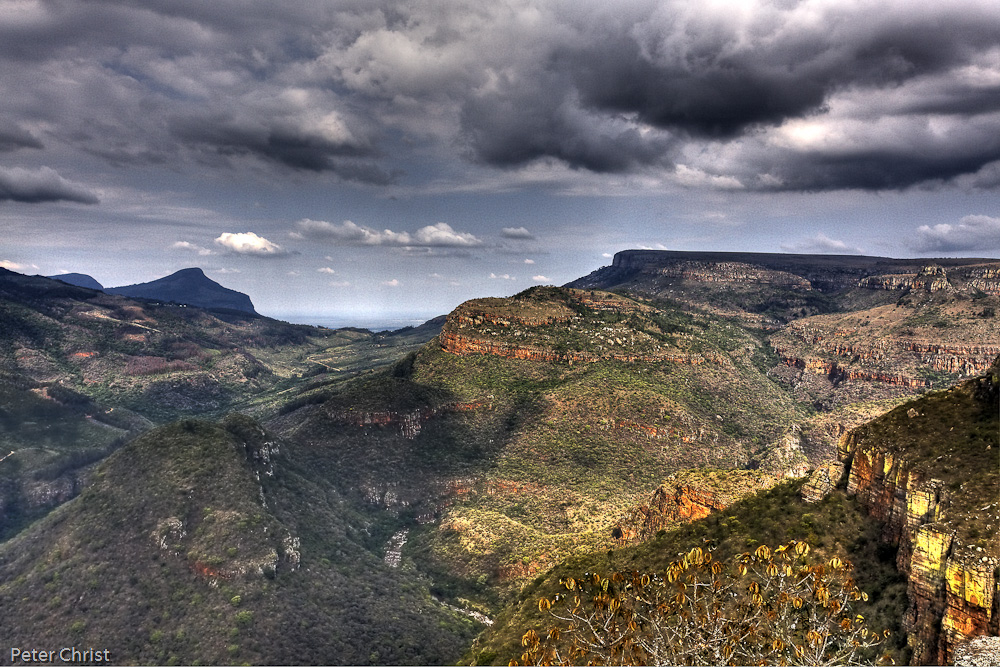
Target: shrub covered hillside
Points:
(532, 424)
(203, 543)
(82, 371)
(835, 527)
(913, 507)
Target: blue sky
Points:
(366, 159)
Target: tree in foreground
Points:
(766, 607)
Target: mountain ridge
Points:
(188, 286)
(78, 279)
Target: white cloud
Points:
(694, 178)
(225, 271)
(248, 243)
(186, 245)
(326, 269)
(973, 232)
(392, 283)
(607, 255)
(504, 276)
(12, 266)
(516, 233)
(821, 244)
(541, 279)
(440, 235)
(292, 273)
(529, 261)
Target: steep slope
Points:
(930, 469)
(915, 510)
(533, 423)
(835, 526)
(772, 288)
(923, 340)
(844, 329)
(191, 287)
(206, 543)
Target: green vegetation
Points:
(150, 574)
(500, 473)
(836, 527)
(952, 436)
(764, 607)
(526, 462)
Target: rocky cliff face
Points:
(931, 278)
(408, 423)
(729, 272)
(926, 470)
(690, 495)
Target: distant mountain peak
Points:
(192, 271)
(79, 280)
(191, 287)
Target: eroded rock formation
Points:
(953, 585)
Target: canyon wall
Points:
(460, 344)
(953, 585)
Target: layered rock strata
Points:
(408, 423)
(953, 584)
(457, 343)
(690, 495)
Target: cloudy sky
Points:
(375, 159)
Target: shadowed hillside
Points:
(206, 543)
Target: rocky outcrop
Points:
(837, 373)
(953, 586)
(893, 281)
(931, 278)
(690, 495)
(821, 482)
(729, 272)
(408, 423)
(960, 358)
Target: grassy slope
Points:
(82, 371)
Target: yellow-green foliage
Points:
(762, 607)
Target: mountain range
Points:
(188, 286)
(349, 497)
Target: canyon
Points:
(532, 431)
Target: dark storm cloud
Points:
(704, 93)
(13, 137)
(287, 145)
(40, 185)
(715, 84)
(521, 123)
(875, 170)
(719, 77)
